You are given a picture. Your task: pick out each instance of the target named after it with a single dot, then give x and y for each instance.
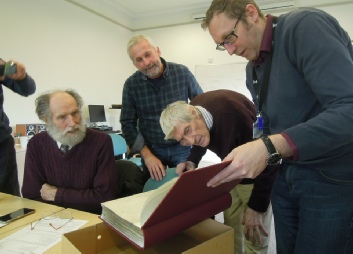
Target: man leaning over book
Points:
(221, 120)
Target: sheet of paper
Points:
(41, 238)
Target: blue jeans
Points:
(170, 156)
(313, 211)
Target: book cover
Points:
(151, 217)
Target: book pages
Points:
(128, 214)
(155, 199)
(124, 215)
(153, 216)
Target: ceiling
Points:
(138, 15)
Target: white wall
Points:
(343, 13)
(191, 45)
(64, 46)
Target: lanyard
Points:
(261, 90)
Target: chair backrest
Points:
(119, 144)
(136, 160)
(130, 178)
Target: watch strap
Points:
(273, 156)
(268, 143)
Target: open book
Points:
(150, 217)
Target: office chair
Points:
(120, 149)
(130, 178)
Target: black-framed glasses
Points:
(230, 39)
(49, 216)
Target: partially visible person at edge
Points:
(68, 165)
(21, 83)
(146, 93)
(221, 120)
(305, 99)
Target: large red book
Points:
(151, 217)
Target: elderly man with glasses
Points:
(300, 75)
(221, 120)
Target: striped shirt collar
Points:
(59, 145)
(207, 116)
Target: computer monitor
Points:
(96, 113)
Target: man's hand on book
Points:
(156, 168)
(154, 165)
(184, 166)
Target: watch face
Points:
(274, 158)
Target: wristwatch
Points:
(274, 157)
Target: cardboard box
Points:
(207, 237)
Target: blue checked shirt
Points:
(143, 102)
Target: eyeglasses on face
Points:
(49, 215)
(230, 39)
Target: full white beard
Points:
(66, 138)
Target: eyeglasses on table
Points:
(49, 216)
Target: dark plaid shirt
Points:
(143, 102)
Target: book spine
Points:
(172, 226)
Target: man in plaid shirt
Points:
(146, 93)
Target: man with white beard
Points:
(68, 165)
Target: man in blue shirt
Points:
(22, 84)
(146, 93)
(300, 74)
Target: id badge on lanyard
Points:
(257, 127)
(261, 91)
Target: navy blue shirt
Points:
(310, 91)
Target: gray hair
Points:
(136, 39)
(43, 103)
(176, 112)
(231, 8)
